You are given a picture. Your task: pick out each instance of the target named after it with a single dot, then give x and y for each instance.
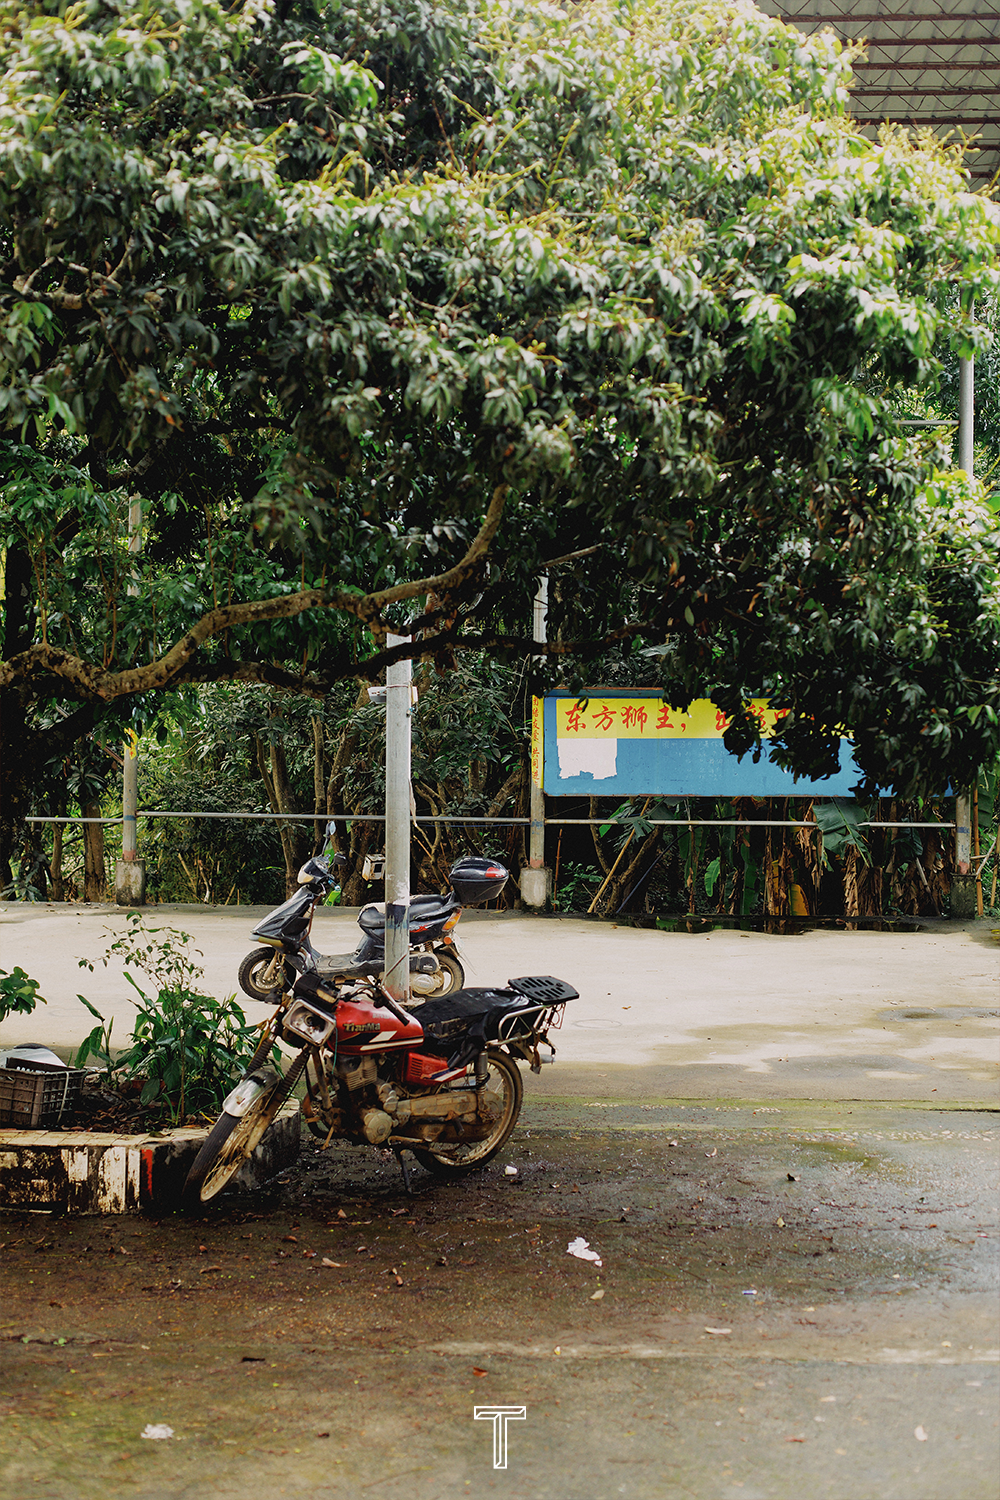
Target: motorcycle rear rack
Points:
(544, 988)
(537, 1019)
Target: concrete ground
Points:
(782, 1148)
(819, 1015)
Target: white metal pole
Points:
(535, 886)
(398, 726)
(966, 414)
(962, 894)
(130, 872)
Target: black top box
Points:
(474, 879)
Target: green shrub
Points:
(187, 1048)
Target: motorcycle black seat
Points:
(465, 1022)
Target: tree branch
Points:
(174, 666)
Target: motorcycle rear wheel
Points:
(234, 1138)
(504, 1078)
(262, 973)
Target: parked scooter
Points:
(443, 1083)
(435, 965)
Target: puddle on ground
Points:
(942, 1013)
(774, 926)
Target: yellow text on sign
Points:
(618, 718)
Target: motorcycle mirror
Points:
(340, 861)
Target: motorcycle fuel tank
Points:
(364, 1027)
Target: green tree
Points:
(382, 305)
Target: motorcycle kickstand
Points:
(397, 1152)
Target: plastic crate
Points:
(35, 1100)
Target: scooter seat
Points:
(423, 910)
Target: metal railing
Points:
(458, 818)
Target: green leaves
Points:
(18, 993)
(322, 72)
(317, 282)
(187, 1049)
(839, 821)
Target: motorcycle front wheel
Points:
(262, 973)
(504, 1078)
(234, 1138)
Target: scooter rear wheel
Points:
(454, 974)
(262, 973)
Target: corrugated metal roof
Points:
(929, 63)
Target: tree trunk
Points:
(94, 887)
(319, 780)
(55, 863)
(279, 794)
(601, 857)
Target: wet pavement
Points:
(795, 1298)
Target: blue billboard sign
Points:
(628, 743)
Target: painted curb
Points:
(92, 1172)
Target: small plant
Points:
(18, 994)
(98, 1042)
(577, 884)
(187, 1048)
(190, 1049)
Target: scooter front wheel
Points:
(262, 973)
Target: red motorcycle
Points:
(445, 1087)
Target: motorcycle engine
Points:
(427, 984)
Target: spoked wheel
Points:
(262, 973)
(234, 1138)
(503, 1078)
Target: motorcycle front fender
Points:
(246, 1093)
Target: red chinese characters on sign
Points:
(722, 721)
(634, 718)
(665, 720)
(574, 720)
(605, 718)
